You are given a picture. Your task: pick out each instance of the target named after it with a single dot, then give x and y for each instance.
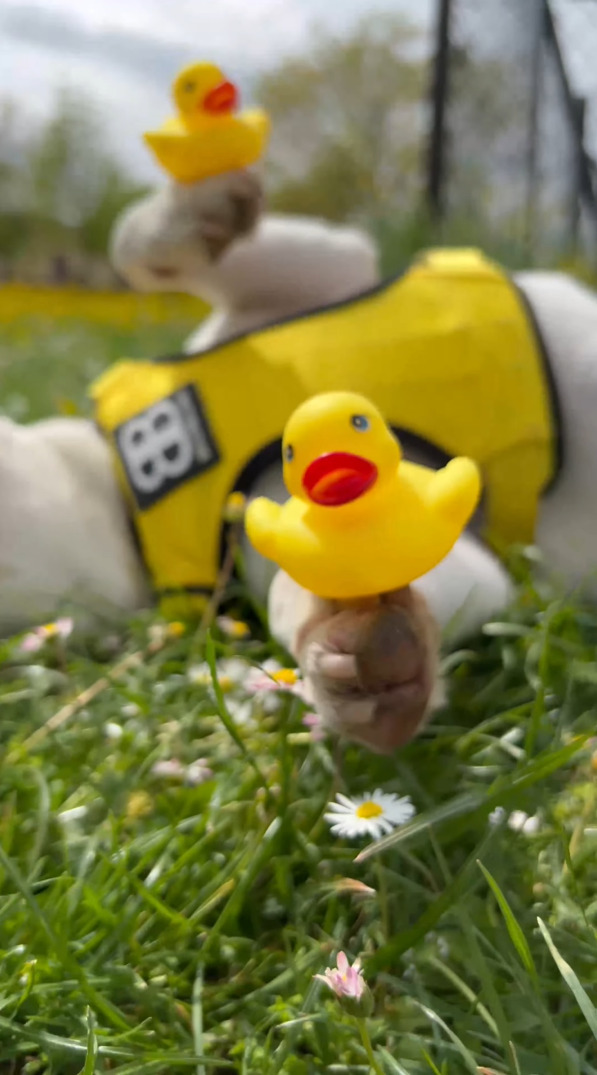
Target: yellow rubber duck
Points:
(208, 136)
(360, 520)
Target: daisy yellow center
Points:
(239, 629)
(226, 683)
(285, 675)
(50, 630)
(368, 810)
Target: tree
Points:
(60, 188)
(346, 122)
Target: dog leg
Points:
(211, 239)
(64, 535)
(172, 239)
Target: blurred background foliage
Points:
(60, 191)
(350, 137)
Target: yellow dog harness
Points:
(448, 352)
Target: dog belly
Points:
(566, 313)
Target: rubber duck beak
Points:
(338, 478)
(220, 100)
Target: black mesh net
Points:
(514, 141)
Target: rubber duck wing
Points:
(418, 476)
(170, 129)
(262, 521)
(259, 121)
(454, 491)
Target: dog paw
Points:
(167, 239)
(220, 209)
(372, 668)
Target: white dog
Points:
(372, 666)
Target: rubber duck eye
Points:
(360, 422)
(289, 453)
(189, 87)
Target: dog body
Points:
(64, 532)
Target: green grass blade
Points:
(466, 991)
(459, 806)
(227, 721)
(91, 1057)
(392, 1065)
(515, 1061)
(454, 891)
(54, 1042)
(512, 925)
(571, 979)
(465, 1053)
(433, 1067)
(197, 1016)
(68, 962)
(476, 803)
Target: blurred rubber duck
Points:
(360, 520)
(207, 136)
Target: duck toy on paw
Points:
(360, 520)
(208, 136)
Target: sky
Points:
(123, 54)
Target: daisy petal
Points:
(345, 801)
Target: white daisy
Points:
(270, 682)
(160, 633)
(232, 674)
(521, 822)
(61, 629)
(113, 730)
(496, 817)
(169, 768)
(235, 629)
(130, 709)
(271, 676)
(518, 821)
(198, 772)
(173, 769)
(371, 815)
(240, 709)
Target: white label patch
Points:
(166, 445)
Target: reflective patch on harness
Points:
(166, 445)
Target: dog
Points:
(371, 666)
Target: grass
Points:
(46, 366)
(149, 926)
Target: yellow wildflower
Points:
(234, 511)
(140, 804)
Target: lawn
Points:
(169, 884)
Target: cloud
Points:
(159, 50)
(59, 32)
(244, 33)
(123, 54)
